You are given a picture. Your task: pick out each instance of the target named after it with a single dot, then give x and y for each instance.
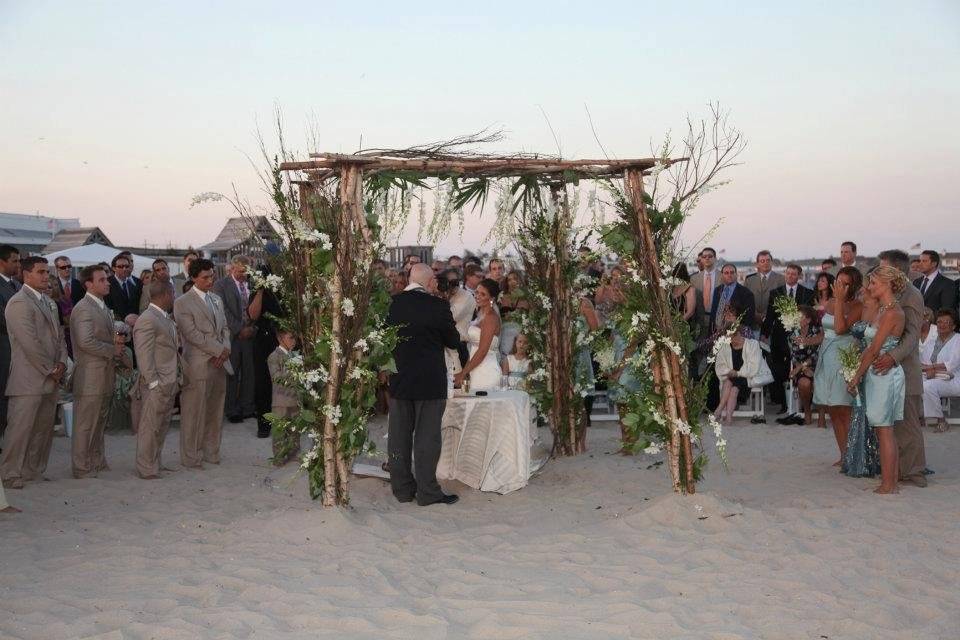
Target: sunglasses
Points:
(65, 266)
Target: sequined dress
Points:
(862, 459)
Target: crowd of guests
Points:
(211, 347)
(194, 341)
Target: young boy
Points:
(285, 402)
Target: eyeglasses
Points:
(65, 266)
(121, 265)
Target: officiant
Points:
(418, 390)
(777, 337)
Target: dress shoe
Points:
(150, 477)
(234, 419)
(407, 498)
(263, 433)
(451, 498)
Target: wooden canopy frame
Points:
(351, 170)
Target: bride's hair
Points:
(492, 288)
(892, 275)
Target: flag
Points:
(916, 246)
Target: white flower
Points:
(347, 307)
(362, 345)
(206, 196)
(355, 374)
(652, 450)
(333, 413)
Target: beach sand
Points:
(779, 546)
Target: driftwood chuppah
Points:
(566, 423)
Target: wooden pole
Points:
(648, 260)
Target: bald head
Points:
(421, 274)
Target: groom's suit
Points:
(418, 391)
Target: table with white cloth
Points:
(487, 441)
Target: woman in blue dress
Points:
(884, 394)
(829, 386)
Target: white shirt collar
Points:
(285, 352)
(412, 286)
(99, 301)
(164, 313)
(34, 291)
(5, 277)
(202, 294)
(933, 275)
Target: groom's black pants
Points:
(414, 426)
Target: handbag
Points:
(764, 375)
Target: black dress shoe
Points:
(263, 433)
(445, 499)
(407, 498)
(234, 419)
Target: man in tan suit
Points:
(38, 359)
(205, 337)
(704, 283)
(908, 433)
(96, 349)
(156, 344)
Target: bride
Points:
(483, 341)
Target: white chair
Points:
(945, 402)
(757, 408)
(602, 403)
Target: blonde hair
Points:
(894, 276)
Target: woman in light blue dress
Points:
(884, 394)
(829, 386)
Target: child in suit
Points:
(285, 400)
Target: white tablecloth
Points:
(487, 440)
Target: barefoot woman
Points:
(829, 387)
(884, 393)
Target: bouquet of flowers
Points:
(786, 308)
(849, 361)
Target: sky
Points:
(118, 113)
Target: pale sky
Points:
(119, 112)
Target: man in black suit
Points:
(772, 330)
(124, 298)
(9, 269)
(727, 291)
(938, 291)
(418, 390)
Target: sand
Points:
(780, 546)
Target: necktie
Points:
(923, 287)
(126, 288)
(791, 293)
(213, 308)
(244, 294)
(707, 290)
(66, 289)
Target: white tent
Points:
(88, 254)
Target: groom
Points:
(418, 390)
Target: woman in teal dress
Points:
(884, 394)
(829, 386)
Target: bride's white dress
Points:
(485, 377)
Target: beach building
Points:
(77, 237)
(31, 233)
(241, 236)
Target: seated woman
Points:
(940, 361)
(737, 362)
(804, 348)
(516, 365)
(927, 327)
(483, 335)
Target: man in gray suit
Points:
(157, 347)
(205, 338)
(97, 348)
(181, 279)
(762, 283)
(234, 290)
(9, 269)
(38, 355)
(908, 431)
